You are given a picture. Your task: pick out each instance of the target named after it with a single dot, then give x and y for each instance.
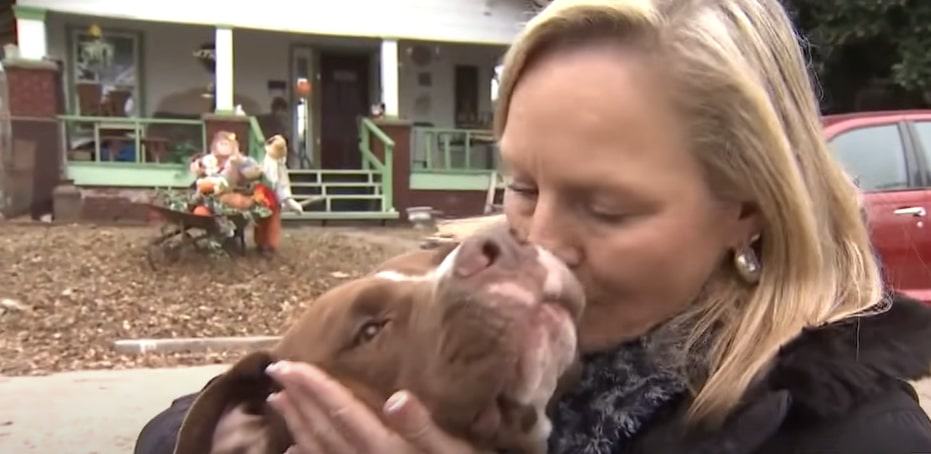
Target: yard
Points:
(68, 292)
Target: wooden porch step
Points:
(332, 172)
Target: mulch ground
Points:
(68, 292)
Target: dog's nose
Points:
(484, 251)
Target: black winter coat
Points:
(835, 389)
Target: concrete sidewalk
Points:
(98, 412)
(102, 412)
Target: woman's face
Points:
(602, 175)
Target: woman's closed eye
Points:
(606, 214)
(522, 189)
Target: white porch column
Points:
(30, 32)
(224, 69)
(389, 76)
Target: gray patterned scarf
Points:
(620, 392)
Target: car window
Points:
(873, 156)
(923, 131)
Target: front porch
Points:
(142, 97)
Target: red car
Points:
(889, 156)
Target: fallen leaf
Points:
(90, 286)
(9, 303)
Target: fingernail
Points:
(277, 368)
(273, 397)
(396, 401)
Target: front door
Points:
(344, 92)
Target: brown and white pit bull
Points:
(480, 332)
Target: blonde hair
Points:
(740, 81)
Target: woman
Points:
(670, 152)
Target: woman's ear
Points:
(748, 224)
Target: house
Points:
(386, 104)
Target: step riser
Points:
(339, 195)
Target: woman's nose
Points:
(555, 233)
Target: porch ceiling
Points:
(467, 21)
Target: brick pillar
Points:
(400, 132)
(35, 98)
(238, 125)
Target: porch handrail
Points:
(257, 142)
(137, 125)
(369, 128)
(154, 121)
(424, 138)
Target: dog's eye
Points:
(369, 330)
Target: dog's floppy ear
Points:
(231, 413)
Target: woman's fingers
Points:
(321, 427)
(330, 409)
(410, 419)
(300, 428)
(325, 416)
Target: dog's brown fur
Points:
(451, 341)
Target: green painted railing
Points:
(439, 149)
(257, 139)
(367, 129)
(161, 148)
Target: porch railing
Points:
(132, 140)
(367, 129)
(453, 150)
(256, 139)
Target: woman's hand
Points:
(324, 417)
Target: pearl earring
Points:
(747, 264)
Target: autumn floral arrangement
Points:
(237, 191)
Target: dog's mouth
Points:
(546, 348)
(508, 313)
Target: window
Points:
(874, 157)
(105, 72)
(923, 133)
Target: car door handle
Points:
(917, 212)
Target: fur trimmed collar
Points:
(824, 373)
(828, 369)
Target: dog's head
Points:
(480, 331)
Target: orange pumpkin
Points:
(201, 210)
(205, 187)
(237, 201)
(303, 87)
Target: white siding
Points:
(439, 97)
(172, 78)
(476, 21)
